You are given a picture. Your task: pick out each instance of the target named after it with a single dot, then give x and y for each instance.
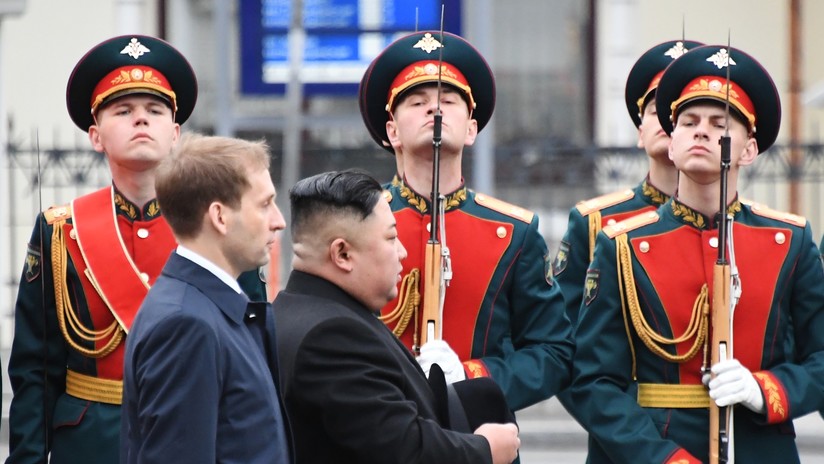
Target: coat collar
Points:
(651, 194)
(234, 305)
(132, 212)
(419, 202)
(686, 215)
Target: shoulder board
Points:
(592, 205)
(504, 208)
(58, 213)
(631, 224)
(782, 216)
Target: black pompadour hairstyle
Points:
(350, 192)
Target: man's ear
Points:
(471, 132)
(340, 253)
(392, 133)
(94, 138)
(640, 143)
(176, 135)
(217, 217)
(749, 153)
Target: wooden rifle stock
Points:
(721, 350)
(720, 417)
(436, 262)
(432, 288)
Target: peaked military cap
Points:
(646, 72)
(130, 64)
(413, 60)
(701, 74)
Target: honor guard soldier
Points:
(588, 217)
(502, 313)
(90, 263)
(643, 353)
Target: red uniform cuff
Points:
(681, 456)
(475, 368)
(775, 397)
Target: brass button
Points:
(780, 238)
(644, 246)
(714, 242)
(429, 227)
(73, 234)
(611, 222)
(501, 232)
(142, 233)
(144, 277)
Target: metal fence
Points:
(543, 177)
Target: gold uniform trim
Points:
(91, 388)
(631, 224)
(57, 213)
(662, 395)
(604, 201)
(782, 216)
(503, 207)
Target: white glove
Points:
(438, 351)
(733, 384)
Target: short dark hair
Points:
(201, 170)
(351, 192)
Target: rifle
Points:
(725, 284)
(437, 265)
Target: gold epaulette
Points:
(782, 216)
(587, 207)
(57, 213)
(631, 223)
(503, 207)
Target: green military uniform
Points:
(588, 217)
(89, 263)
(503, 314)
(502, 311)
(644, 320)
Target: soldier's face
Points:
(136, 132)
(651, 137)
(411, 125)
(695, 147)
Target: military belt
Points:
(663, 395)
(96, 389)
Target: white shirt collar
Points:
(209, 266)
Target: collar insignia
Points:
(656, 196)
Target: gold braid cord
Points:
(409, 300)
(63, 306)
(699, 319)
(594, 228)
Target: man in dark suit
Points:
(200, 378)
(352, 391)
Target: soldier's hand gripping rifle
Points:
(726, 291)
(437, 266)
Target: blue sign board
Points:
(342, 38)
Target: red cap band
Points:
(715, 88)
(133, 78)
(427, 71)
